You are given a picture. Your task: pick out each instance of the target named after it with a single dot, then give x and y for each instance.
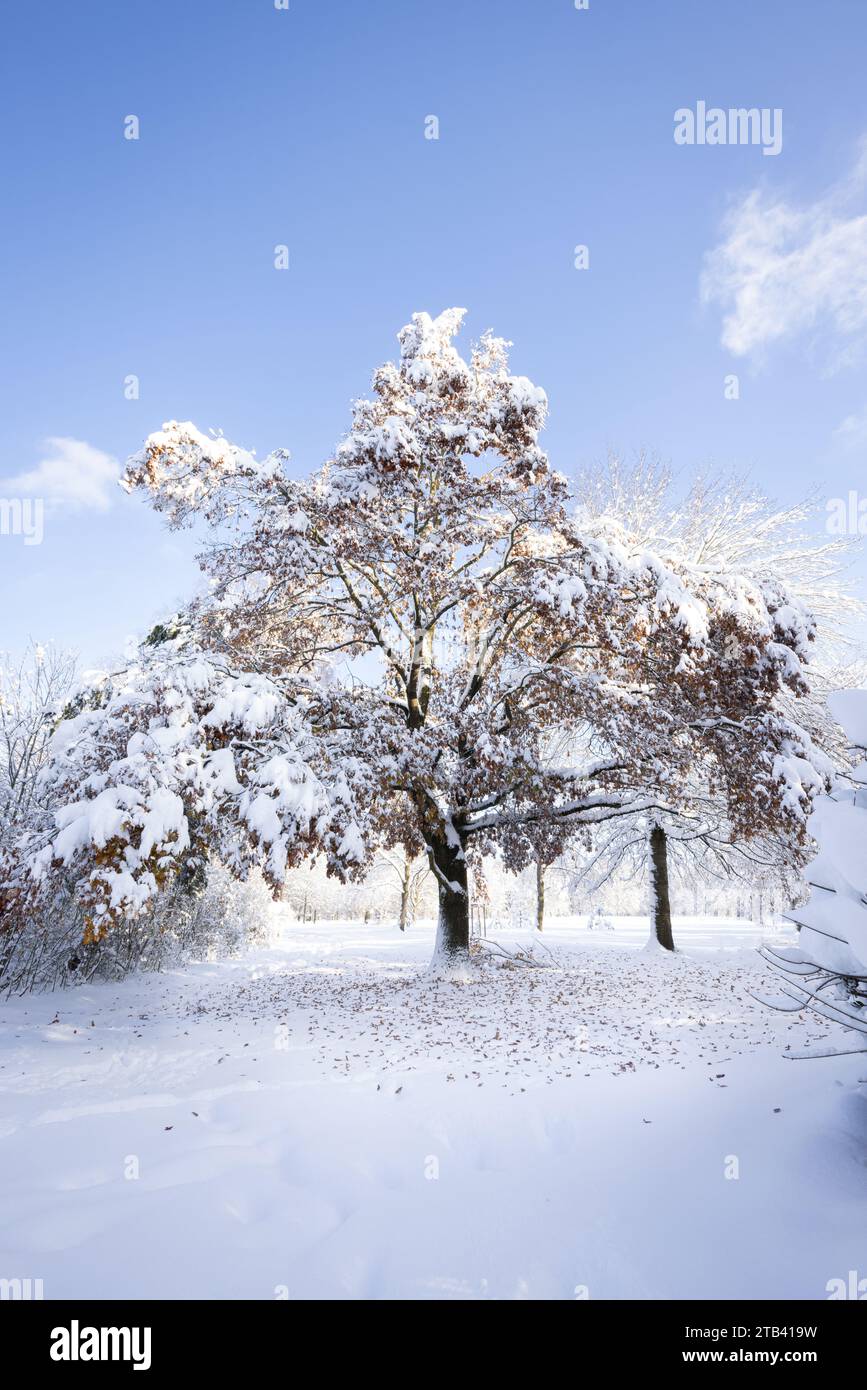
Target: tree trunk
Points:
(660, 904)
(540, 895)
(453, 927)
(404, 894)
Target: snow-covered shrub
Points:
(47, 939)
(216, 917)
(232, 915)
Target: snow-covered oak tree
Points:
(387, 651)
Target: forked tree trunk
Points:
(660, 903)
(540, 895)
(453, 927)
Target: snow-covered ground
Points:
(323, 1119)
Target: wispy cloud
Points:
(784, 270)
(72, 474)
(851, 433)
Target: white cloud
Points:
(783, 270)
(72, 474)
(851, 433)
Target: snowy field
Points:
(322, 1119)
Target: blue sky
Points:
(259, 126)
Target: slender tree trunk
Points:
(540, 895)
(404, 895)
(660, 904)
(453, 927)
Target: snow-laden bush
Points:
(203, 912)
(216, 918)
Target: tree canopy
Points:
(387, 652)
